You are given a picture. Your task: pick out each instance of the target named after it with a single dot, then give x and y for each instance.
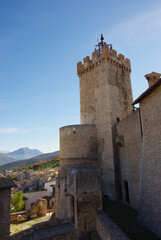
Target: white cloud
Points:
(12, 130)
(140, 28)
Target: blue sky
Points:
(41, 42)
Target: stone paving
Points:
(15, 228)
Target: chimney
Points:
(152, 78)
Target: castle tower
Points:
(105, 99)
(78, 150)
(78, 187)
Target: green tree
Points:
(17, 203)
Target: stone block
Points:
(86, 59)
(113, 52)
(105, 51)
(95, 54)
(120, 56)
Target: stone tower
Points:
(105, 99)
(78, 187)
(88, 152)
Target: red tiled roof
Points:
(147, 92)
(5, 183)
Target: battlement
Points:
(107, 54)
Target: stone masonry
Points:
(115, 138)
(5, 197)
(105, 98)
(150, 178)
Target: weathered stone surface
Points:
(85, 190)
(78, 147)
(150, 185)
(5, 196)
(39, 208)
(105, 97)
(152, 78)
(107, 229)
(130, 156)
(5, 183)
(51, 230)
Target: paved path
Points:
(15, 228)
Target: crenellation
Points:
(120, 56)
(110, 56)
(128, 62)
(95, 54)
(105, 51)
(86, 59)
(79, 65)
(113, 52)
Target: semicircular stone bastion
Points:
(78, 147)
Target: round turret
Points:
(78, 147)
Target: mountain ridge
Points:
(24, 153)
(37, 159)
(5, 159)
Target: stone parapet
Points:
(106, 55)
(55, 229)
(107, 229)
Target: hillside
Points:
(24, 153)
(20, 163)
(5, 159)
(42, 165)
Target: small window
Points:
(72, 209)
(126, 189)
(118, 119)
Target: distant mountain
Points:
(4, 152)
(41, 158)
(24, 153)
(5, 159)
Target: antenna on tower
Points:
(98, 47)
(102, 38)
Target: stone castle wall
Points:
(85, 199)
(61, 198)
(150, 191)
(78, 147)
(107, 229)
(51, 230)
(5, 196)
(105, 97)
(129, 147)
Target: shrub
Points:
(17, 203)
